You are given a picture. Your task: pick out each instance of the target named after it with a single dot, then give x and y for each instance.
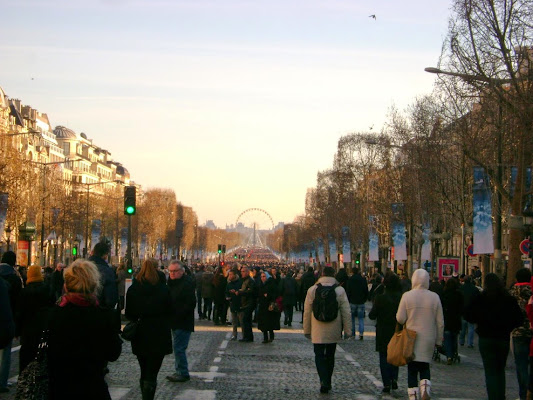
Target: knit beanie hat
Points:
(34, 274)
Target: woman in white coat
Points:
(421, 311)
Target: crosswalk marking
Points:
(189, 394)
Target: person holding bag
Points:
(421, 311)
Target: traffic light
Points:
(235, 256)
(224, 248)
(219, 249)
(357, 258)
(75, 251)
(130, 270)
(130, 200)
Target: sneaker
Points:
(178, 378)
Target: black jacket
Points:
(357, 289)
(82, 340)
(151, 304)
(183, 300)
(470, 292)
(267, 293)
(7, 322)
(308, 280)
(109, 294)
(288, 291)
(452, 309)
(247, 293)
(15, 285)
(495, 315)
(234, 301)
(384, 312)
(34, 302)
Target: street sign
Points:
(470, 251)
(524, 246)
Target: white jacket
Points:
(421, 311)
(327, 332)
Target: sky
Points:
(232, 104)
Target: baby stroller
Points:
(439, 350)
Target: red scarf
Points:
(79, 299)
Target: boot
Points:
(425, 389)
(414, 393)
(148, 392)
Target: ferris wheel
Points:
(254, 223)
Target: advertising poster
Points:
(23, 248)
(447, 267)
(483, 240)
(373, 245)
(346, 247)
(398, 232)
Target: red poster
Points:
(448, 267)
(22, 252)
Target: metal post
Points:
(85, 247)
(462, 264)
(128, 250)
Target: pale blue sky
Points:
(233, 104)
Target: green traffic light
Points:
(74, 251)
(130, 210)
(130, 270)
(220, 251)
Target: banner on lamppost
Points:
(123, 242)
(321, 253)
(483, 240)
(3, 211)
(373, 245)
(96, 231)
(333, 255)
(346, 248)
(426, 246)
(398, 232)
(142, 247)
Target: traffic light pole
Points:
(128, 250)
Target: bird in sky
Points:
(372, 16)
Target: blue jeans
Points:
(521, 359)
(450, 343)
(325, 362)
(388, 371)
(5, 364)
(494, 354)
(181, 342)
(467, 326)
(359, 310)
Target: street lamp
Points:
(8, 236)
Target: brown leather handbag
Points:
(401, 347)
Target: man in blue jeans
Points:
(357, 292)
(183, 300)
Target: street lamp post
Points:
(8, 236)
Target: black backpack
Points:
(325, 305)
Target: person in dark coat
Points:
(148, 301)
(289, 295)
(452, 309)
(496, 314)
(83, 337)
(384, 311)
(469, 291)
(34, 302)
(56, 281)
(232, 288)
(183, 301)
(108, 296)
(11, 276)
(342, 277)
(267, 320)
(7, 322)
(207, 292)
(219, 297)
(247, 294)
(357, 292)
